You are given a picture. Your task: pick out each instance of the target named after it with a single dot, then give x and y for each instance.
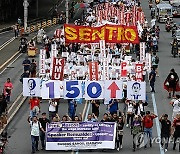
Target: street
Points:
(19, 129)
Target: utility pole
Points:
(25, 4)
(37, 8)
(67, 11)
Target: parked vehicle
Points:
(164, 10)
(176, 7)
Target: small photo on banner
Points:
(136, 90)
(31, 87)
(52, 89)
(94, 90)
(113, 89)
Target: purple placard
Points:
(84, 131)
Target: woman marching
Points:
(171, 83)
(136, 129)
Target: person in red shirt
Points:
(8, 86)
(176, 130)
(148, 124)
(34, 106)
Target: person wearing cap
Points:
(148, 124)
(136, 129)
(43, 121)
(165, 131)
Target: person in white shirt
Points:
(35, 133)
(52, 109)
(176, 106)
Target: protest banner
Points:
(123, 69)
(113, 89)
(83, 135)
(73, 89)
(93, 70)
(42, 58)
(31, 87)
(94, 90)
(58, 69)
(142, 52)
(109, 33)
(52, 89)
(136, 90)
(139, 72)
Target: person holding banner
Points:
(52, 109)
(72, 108)
(43, 121)
(113, 106)
(130, 112)
(35, 132)
(95, 107)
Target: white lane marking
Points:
(11, 62)
(85, 118)
(11, 59)
(6, 43)
(5, 32)
(14, 103)
(157, 122)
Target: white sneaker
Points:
(117, 149)
(165, 150)
(120, 146)
(127, 125)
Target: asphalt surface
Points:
(20, 142)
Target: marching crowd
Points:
(133, 114)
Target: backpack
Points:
(32, 67)
(157, 60)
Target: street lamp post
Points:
(67, 11)
(25, 4)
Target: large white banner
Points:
(42, 58)
(52, 89)
(136, 90)
(113, 89)
(94, 90)
(142, 52)
(31, 87)
(72, 89)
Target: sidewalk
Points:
(5, 25)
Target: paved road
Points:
(19, 128)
